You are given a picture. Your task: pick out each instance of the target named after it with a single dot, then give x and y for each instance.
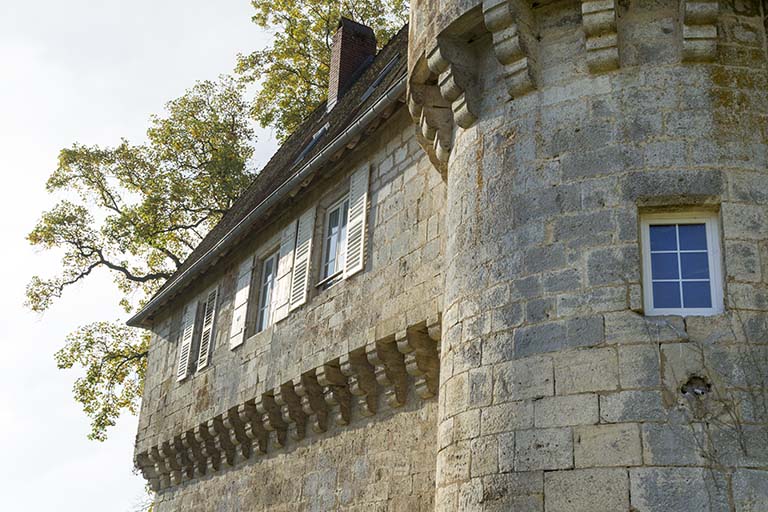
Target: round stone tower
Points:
(573, 135)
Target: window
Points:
(335, 239)
(197, 334)
(681, 264)
(267, 291)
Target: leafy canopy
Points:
(293, 71)
(138, 211)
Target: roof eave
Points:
(393, 94)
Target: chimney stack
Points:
(353, 45)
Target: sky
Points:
(88, 72)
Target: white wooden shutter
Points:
(240, 304)
(206, 335)
(185, 342)
(358, 212)
(285, 271)
(301, 260)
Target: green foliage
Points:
(114, 358)
(293, 71)
(138, 211)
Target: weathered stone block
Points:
(632, 406)
(667, 489)
(532, 377)
(607, 445)
(639, 366)
(673, 445)
(750, 490)
(555, 336)
(629, 327)
(507, 416)
(586, 490)
(561, 411)
(520, 491)
(543, 449)
(588, 370)
(485, 456)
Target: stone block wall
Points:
(557, 393)
(380, 464)
(400, 288)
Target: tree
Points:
(137, 211)
(293, 71)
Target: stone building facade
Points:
(520, 263)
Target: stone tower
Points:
(560, 127)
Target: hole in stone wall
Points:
(696, 386)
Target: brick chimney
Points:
(353, 45)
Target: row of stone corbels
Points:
(317, 399)
(443, 84)
(699, 29)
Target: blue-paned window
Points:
(681, 272)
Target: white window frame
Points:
(270, 308)
(341, 244)
(712, 226)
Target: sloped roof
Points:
(376, 81)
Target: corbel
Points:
(273, 418)
(225, 440)
(335, 391)
(185, 457)
(169, 455)
(211, 453)
(601, 38)
(312, 401)
(253, 423)
(699, 30)
(454, 64)
(515, 42)
(362, 380)
(422, 361)
(195, 449)
(161, 470)
(291, 411)
(231, 421)
(432, 114)
(390, 370)
(144, 464)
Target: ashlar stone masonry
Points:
(501, 345)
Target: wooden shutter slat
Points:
(301, 261)
(358, 212)
(209, 315)
(240, 305)
(187, 331)
(285, 271)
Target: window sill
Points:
(685, 312)
(330, 280)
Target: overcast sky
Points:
(91, 72)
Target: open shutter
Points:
(284, 271)
(358, 212)
(240, 306)
(209, 315)
(300, 281)
(187, 330)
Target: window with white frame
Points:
(267, 291)
(681, 264)
(335, 239)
